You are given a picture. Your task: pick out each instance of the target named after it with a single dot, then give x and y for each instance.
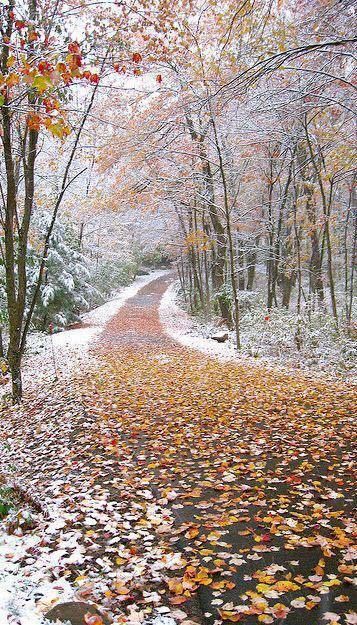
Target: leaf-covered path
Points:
(195, 488)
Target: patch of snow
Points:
(77, 336)
(26, 588)
(163, 620)
(180, 326)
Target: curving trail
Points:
(225, 493)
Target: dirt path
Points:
(197, 488)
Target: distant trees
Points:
(233, 122)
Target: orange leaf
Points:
(178, 600)
(175, 585)
(192, 533)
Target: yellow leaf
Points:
(42, 83)
(285, 586)
(263, 588)
(121, 589)
(58, 130)
(206, 552)
(229, 615)
(332, 582)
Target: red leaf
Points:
(20, 24)
(74, 47)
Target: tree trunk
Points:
(288, 283)
(230, 239)
(2, 353)
(353, 255)
(251, 265)
(220, 252)
(15, 358)
(240, 259)
(271, 294)
(15, 321)
(315, 265)
(326, 204)
(278, 243)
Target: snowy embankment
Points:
(26, 588)
(182, 328)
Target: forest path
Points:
(191, 487)
(254, 468)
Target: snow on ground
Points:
(30, 579)
(22, 585)
(182, 328)
(194, 334)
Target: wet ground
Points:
(261, 465)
